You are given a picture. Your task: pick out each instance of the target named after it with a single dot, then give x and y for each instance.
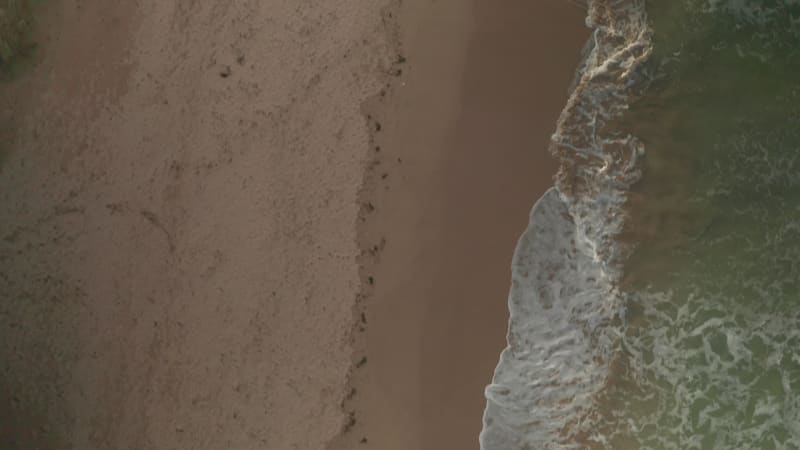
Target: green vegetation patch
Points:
(15, 24)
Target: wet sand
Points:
(465, 154)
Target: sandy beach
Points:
(270, 225)
(178, 222)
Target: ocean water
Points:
(655, 299)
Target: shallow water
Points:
(711, 346)
(667, 315)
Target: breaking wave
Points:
(564, 303)
(655, 300)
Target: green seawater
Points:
(710, 352)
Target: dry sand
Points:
(177, 222)
(185, 248)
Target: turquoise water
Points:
(656, 294)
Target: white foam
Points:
(558, 306)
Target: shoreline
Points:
(463, 157)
